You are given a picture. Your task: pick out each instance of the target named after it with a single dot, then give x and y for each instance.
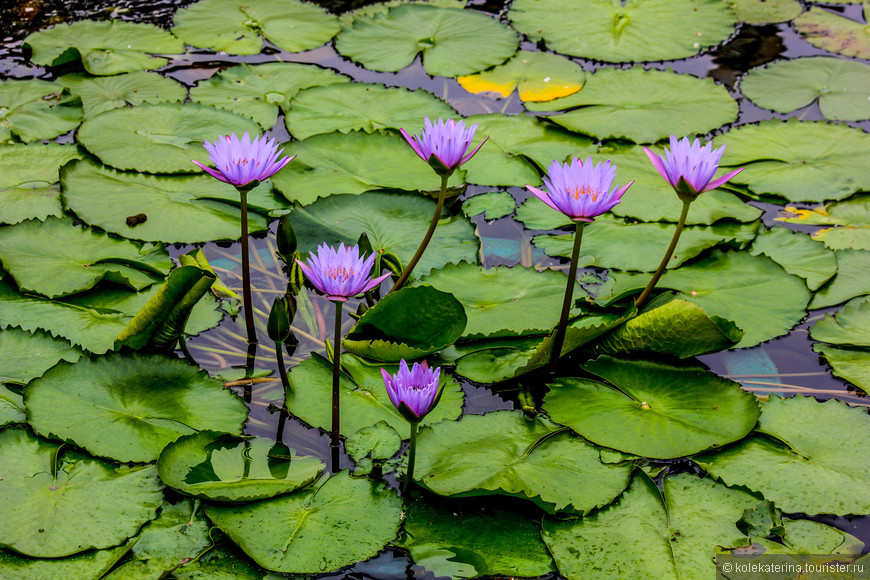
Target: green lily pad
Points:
(27, 355)
(361, 106)
(224, 562)
(93, 564)
(840, 86)
(655, 410)
(363, 397)
(720, 284)
(238, 27)
(643, 106)
(161, 138)
(354, 163)
(394, 223)
(620, 31)
(505, 542)
(798, 160)
(101, 94)
(611, 242)
(803, 450)
(798, 254)
(224, 467)
(28, 184)
(129, 407)
(34, 110)
(504, 301)
(106, 47)
(493, 205)
(178, 209)
(11, 407)
(850, 326)
(536, 76)
(377, 442)
(260, 91)
(765, 11)
(504, 453)
(55, 258)
(849, 222)
(848, 364)
(354, 517)
(452, 41)
(59, 501)
(834, 33)
(407, 324)
(849, 282)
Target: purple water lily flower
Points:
(241, 161)
(414, 392)
(444, 144)
(581, 190)
(340, 273)
(689, 168)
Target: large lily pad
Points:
(27, 355)
(354, 163)
(28, 184)
(505, 542)
(655, 409)
(226, 467)
(840, 86)
(536, 76)
(105, 47)
(493, 205)
(361, 106)
(833, 32)
(129, 407)
(620, 31)
(59, 501)
(260, 91)
(160, 138)
(798, 254)
(505, 453)
(354, 517)
(452, 41)
(849, 282)
(394, 223)
(178, 209)
(363, 397)
(55, 258)
(643, 106)
(765, 11)
(33, 110)
(802, 451)
(798, 160)
(101, 94)
(238, 27)
(848, 221)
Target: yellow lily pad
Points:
(536, 76)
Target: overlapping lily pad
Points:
(35, 109)
(493, 205)
(361, 106)
(452, 41)
(833, 32)
(160, 138)
(849, 282)
(803, 449)
(354, 517)
(105, 47)
(643, 106)
(26, 355)
(504, 453)
(11, 406)
(615, 31)
(848, 364)
(225, 467)
(59, 501)
(28, 183)
(655, 410)
(536, 76)
(798, 160)
(765, 11)
(129, 407)
(55, 258)
(101, 94)
(848, 331)
(237, 27)
(849, 222)
(797, 254)
(93, 564)
(260, 91)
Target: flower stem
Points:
(412, 455)
(410, 267)
(282, 370)
(246, 271)
(336, 371)
(652, 283)
(559, 339)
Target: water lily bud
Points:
(391, 262)
(285, 238)
(297, 277)
(278, 326)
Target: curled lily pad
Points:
(850, 326)
(130, 407)
(100, 94)
(452, 41)
(849, 282)
(225, 467)
(848, 364)
(11, 404)
(833, 32)
(103, 47)
(536, 76)
(848, 222)
(28, 184)
(33, 110)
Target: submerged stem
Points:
(652, 283)
(246, 271)
(412, 455)
(559, 339)
(336, 371)
(442, 195)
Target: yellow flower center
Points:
(340, 272)
(576, 192)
